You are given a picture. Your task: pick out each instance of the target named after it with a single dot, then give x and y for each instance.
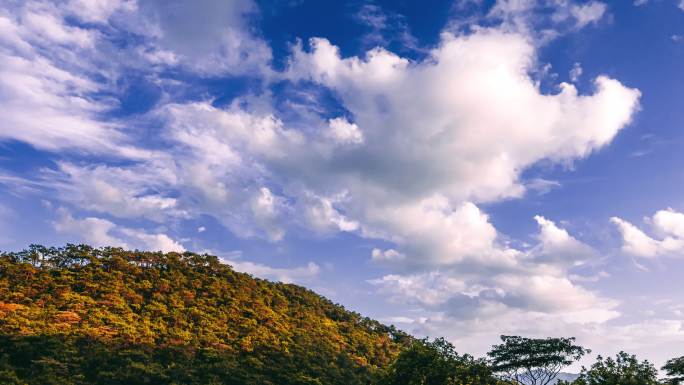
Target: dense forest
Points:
(83, 315)
(80, 315)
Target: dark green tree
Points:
(436, 362)
(675, 370)
(625, 369)
(533, 361)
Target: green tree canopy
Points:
(436, 362)
(533, 361)
(675, 370)
(624, 369)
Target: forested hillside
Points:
(79, 315)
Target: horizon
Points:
(461, 168)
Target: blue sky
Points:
(457, 168)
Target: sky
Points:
(457, 168)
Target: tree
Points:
(625, 369)
(675, 370)
(437, 363)
(533, 361)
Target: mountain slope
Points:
(79, 315)
(569, 377)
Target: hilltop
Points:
(82, 315)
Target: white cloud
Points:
(99, 11)
(558, 248)
(669, 222)
(95, 231)
(45, 95)
(58, 77)
(484, 83)
(118, 191)
(428, 289)
(425, 153)
(539, 286)
(432, 233)
(653, 338)
(575, 72)
(541, 296)
(547, 19)
(541, 185)
(588, 13)
(389, 255)
(668, 226)
(213, 38)
(101, 232)
(147, 241)
(384, 27)
(320, 214)
(266, 209)
(286, 275)
(340, 130)
(591, 278)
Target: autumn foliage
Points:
(81, 315)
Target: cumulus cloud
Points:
(101, 233)
(483, 83)
(92, 230)
(539, 283)
(265, 208)
(539, 298)
(653, 338)
(431, 232)
(429, 289)
(340, 130)
(668, 239)
(320, 214)
(558, 248)
(427, 161)
(286, 275)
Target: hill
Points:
(569, 377)
(81, 315)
